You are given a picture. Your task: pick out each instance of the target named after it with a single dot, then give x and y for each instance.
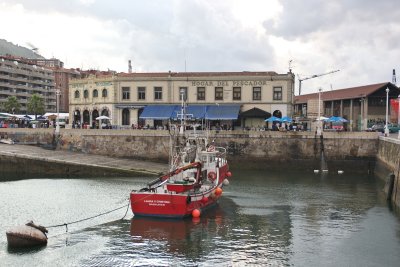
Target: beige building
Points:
(126, 97)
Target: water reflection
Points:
(264, 218)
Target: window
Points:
(126, 93)
(157, 93)
(219, 93)
(277, 93)
(86, 94)
(237, 93)
(125, 116)
(256, 93)
(104, 92)
(141, 93)
(77, 94)
(201, 93)
(95, 93)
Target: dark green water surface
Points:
(263, 219)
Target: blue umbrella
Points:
(336, 119)
(286, 119)
(272, 119)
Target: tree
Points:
(12, 105)
(36, 105)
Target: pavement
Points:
(82, 159)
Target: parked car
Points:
(393, 128)
(377, 128)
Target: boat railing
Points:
(221, 152)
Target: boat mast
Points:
(182, 129)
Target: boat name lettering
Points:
(157, 201)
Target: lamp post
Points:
(58, 112)
(362, 111)
(387, 112)
(319, 130)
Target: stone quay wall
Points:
(388, 162)
(245, 149)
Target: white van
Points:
(61, 122)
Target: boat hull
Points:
(176, 204)
(170, 205)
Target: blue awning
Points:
(196, 112)
(223, 112)
(158, 112)
(210, 112)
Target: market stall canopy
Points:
(102, 118)
(322, 118)
(51, 115)
(273, 118)
(255, 113)
(7, 116)
(286, 119)
(336, 119)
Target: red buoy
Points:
(218, 191)
(196, 213)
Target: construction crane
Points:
(312, 77)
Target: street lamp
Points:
(58, 92)
(319, 130)
(387, 112)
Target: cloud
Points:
(358, 37)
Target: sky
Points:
(360, 38)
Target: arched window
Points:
(104, 93)
(86, 117)
(104, 112)
(86, 94)
(125, 116)
(277, 113)
(95, 114)
(95, 93)
(77, 94)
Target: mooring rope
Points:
(98, 215)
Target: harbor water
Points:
(263, 218)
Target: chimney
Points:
(129, 66)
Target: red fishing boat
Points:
(198, 171)
(193, 185)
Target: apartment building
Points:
(21, 78)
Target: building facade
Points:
(21, 78)
(62, 77)
(362, 106)
(123, 96)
